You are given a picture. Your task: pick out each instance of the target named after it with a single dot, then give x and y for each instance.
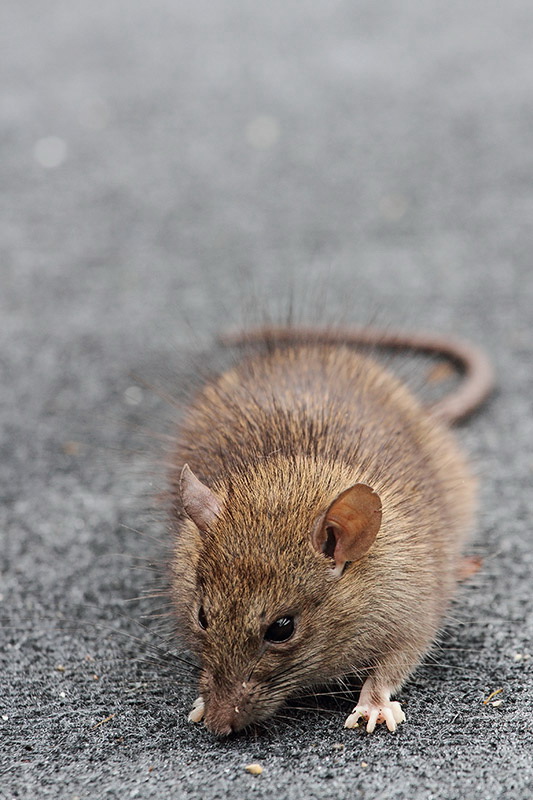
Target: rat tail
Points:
(469, 360)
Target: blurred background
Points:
(160, 155)
(169, 169)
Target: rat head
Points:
(270, 568)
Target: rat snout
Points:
(229, 711)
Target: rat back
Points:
(328, 403)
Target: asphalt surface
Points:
(167, 170)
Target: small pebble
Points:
(254, 769)
(521, 656)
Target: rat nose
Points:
(228, 711)
(223, 720)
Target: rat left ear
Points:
(349, 526)
(200, 503)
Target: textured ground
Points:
(162, 161)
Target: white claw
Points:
(353, 720)
(388, 716)
(372, 719)
(397, 712)
(197, 711)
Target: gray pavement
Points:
(166, 169)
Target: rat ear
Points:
(201, 504)
(349, 526)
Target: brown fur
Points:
(277, 438)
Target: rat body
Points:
(319, 516)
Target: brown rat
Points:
(319, 515)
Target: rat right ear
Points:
(348, 528)
(200, 503)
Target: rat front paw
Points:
(197, 711)
(389, 712)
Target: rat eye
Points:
(202, 619)
(280, 630)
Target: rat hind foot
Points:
(197, 711)
(391, 713)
